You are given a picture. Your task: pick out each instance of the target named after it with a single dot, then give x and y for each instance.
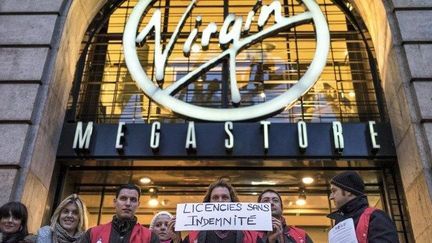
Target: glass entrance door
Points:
(166, 183)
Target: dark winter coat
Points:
(381, 227)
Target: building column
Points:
(401, 31)
(40, 42)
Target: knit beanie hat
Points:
(349, 181)
(157, 215)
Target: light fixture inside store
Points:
(307, 180)
(196, 48)
(258, 183)
(301, 200)
(153, 202)
(145, 180)
(164, 202)
(152, 190)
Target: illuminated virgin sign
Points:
(233, 38)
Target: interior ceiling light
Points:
(196, 48)
(153, 202)
(165, 202)
(145, 180)
(301, 200)
(307, 180)
(258, 183)
(152, 190)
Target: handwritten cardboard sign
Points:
(223, 216)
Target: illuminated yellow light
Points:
(351, 94)
(308, 180)
(258, 183)
(153, 202)
(145, 180)
(196, 48)
(300, 202)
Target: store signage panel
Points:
(227, 140)
(233, 37)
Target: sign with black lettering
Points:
(223, 216)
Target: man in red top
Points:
(282, 233)
(124, 227)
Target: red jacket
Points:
(101, 234)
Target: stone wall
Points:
(401, 31)
(40, 42)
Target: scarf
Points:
(123, 227)
(12, 238)
(61, 236)
(222, 234)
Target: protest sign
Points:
(223, 216)
(343, 232)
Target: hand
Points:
(277, 234)
(175, 235)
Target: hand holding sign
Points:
(277, 234)
(174, 235)
(223, 216)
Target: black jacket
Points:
(381, 227)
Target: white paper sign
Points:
(223, 216)
(344, 232)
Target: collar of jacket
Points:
(350, 208)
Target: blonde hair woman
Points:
(68, 222)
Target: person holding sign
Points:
(370, 224)
(124, 227)
(162, 225)
(282, 233)
(221, 191)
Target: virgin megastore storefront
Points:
(174, 94)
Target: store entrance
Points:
(166, 183)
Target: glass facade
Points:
(173, 182)
(345, 90)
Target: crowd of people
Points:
(69, 221)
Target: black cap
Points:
(349, 181)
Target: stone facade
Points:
(39, 48)
(402, 35)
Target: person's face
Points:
(10, 225)
(276, 204)
(126, 203)
(69, 218)
(339, 196)
(220, 194)
(160, 227)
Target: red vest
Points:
(248, 236)
(297, 234)
(101, 234)
(363, 225)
